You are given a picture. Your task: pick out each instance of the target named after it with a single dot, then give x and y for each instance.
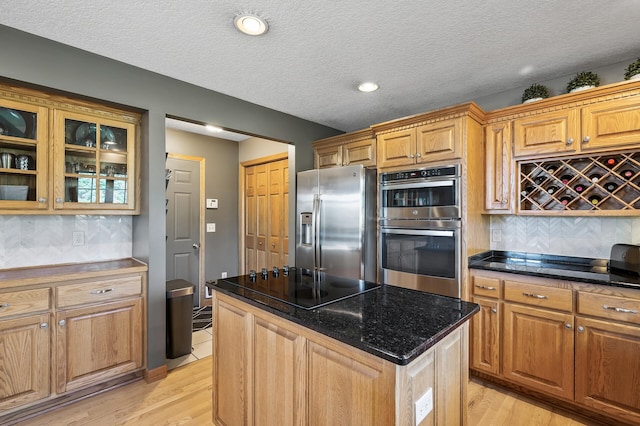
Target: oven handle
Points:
(424, 184)
(424, 232)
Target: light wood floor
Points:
(184, 398)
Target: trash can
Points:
(179, 317)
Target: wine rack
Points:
(581, 185)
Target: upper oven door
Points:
(421, 199)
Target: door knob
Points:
(196, 246)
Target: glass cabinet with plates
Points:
(23, 155)
(94, 162)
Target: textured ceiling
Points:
(424, 54)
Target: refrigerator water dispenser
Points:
(306, 233)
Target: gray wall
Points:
(31, 59)
(252, 148)
(221, 182)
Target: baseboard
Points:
(156, 374)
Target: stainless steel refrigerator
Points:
(336, 221)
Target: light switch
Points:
(211, 227)
(212, 203)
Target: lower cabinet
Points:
(577, 343)
(61, 334)
(95, 343)
(25, 353)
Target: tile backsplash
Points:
(569, 236)
(47, 240)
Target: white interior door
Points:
(183, 222)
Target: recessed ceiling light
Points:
(250, 24)
(368, 87)
(213, 129)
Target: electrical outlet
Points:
(496, 235)
(78, 238)
(424, 405)
(211, 227)
(223, 275)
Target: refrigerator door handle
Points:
(317, 248)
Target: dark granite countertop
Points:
(393, 323)
(579, 269)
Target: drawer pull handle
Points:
(4, 306)
(44, 325)
(621, 310)
(103, 291)
(535, 296)
(484, 287)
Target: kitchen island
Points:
(364, 358)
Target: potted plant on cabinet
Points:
(583, 80)
(633, 71)
(535, 92)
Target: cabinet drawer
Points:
(537, 295)
(98, 291)
(24, 302)
(488, 287)
(612, 307)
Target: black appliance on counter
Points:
(625, 259)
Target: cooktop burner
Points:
(298, 287)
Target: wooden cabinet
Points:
(574, 342)
(499, 168)
(267, 371)
(66, 156)
(94, 162)
(266, 193)
(555, 132)
(440, 140)
(93, 333)
(25, 346)
(345, 150)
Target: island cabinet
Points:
(68, 328)
(570, 343)
(573, 154)
(66, 156)
(268, 370)
(344, 150)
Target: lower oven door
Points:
(422, 259)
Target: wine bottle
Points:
(595, 199)
(610, 186)
(610, 162)
(564, 200)
(579, 188)
(527, 190)
(566, 178)
(552, 189)
(539, 180)
(551, 168)
(627, 174)
(595, 177)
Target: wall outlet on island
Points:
(424, 406)
(223, 275)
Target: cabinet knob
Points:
(567, 326)
(580, 329)
(503, 201)
(418, 155)
(494, 310)
(273, 245)
(411, 156)
(58, 200)
(586, 139)
(569, 141)
(4, 306)
(44, 325)
(62, 323)
(42, 200)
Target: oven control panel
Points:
(435, 172)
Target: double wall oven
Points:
(420, 229)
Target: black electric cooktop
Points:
(299, 287)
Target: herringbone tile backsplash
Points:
(568, 236)
(48, 240)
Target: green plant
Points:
(535, 91)
(586, 78)
(632, 69)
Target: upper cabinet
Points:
(345, 150)
(595, 124)
(65, 156)
(499, 168)
(435, 136)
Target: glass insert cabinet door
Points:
(23, 156)
(95, 163)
